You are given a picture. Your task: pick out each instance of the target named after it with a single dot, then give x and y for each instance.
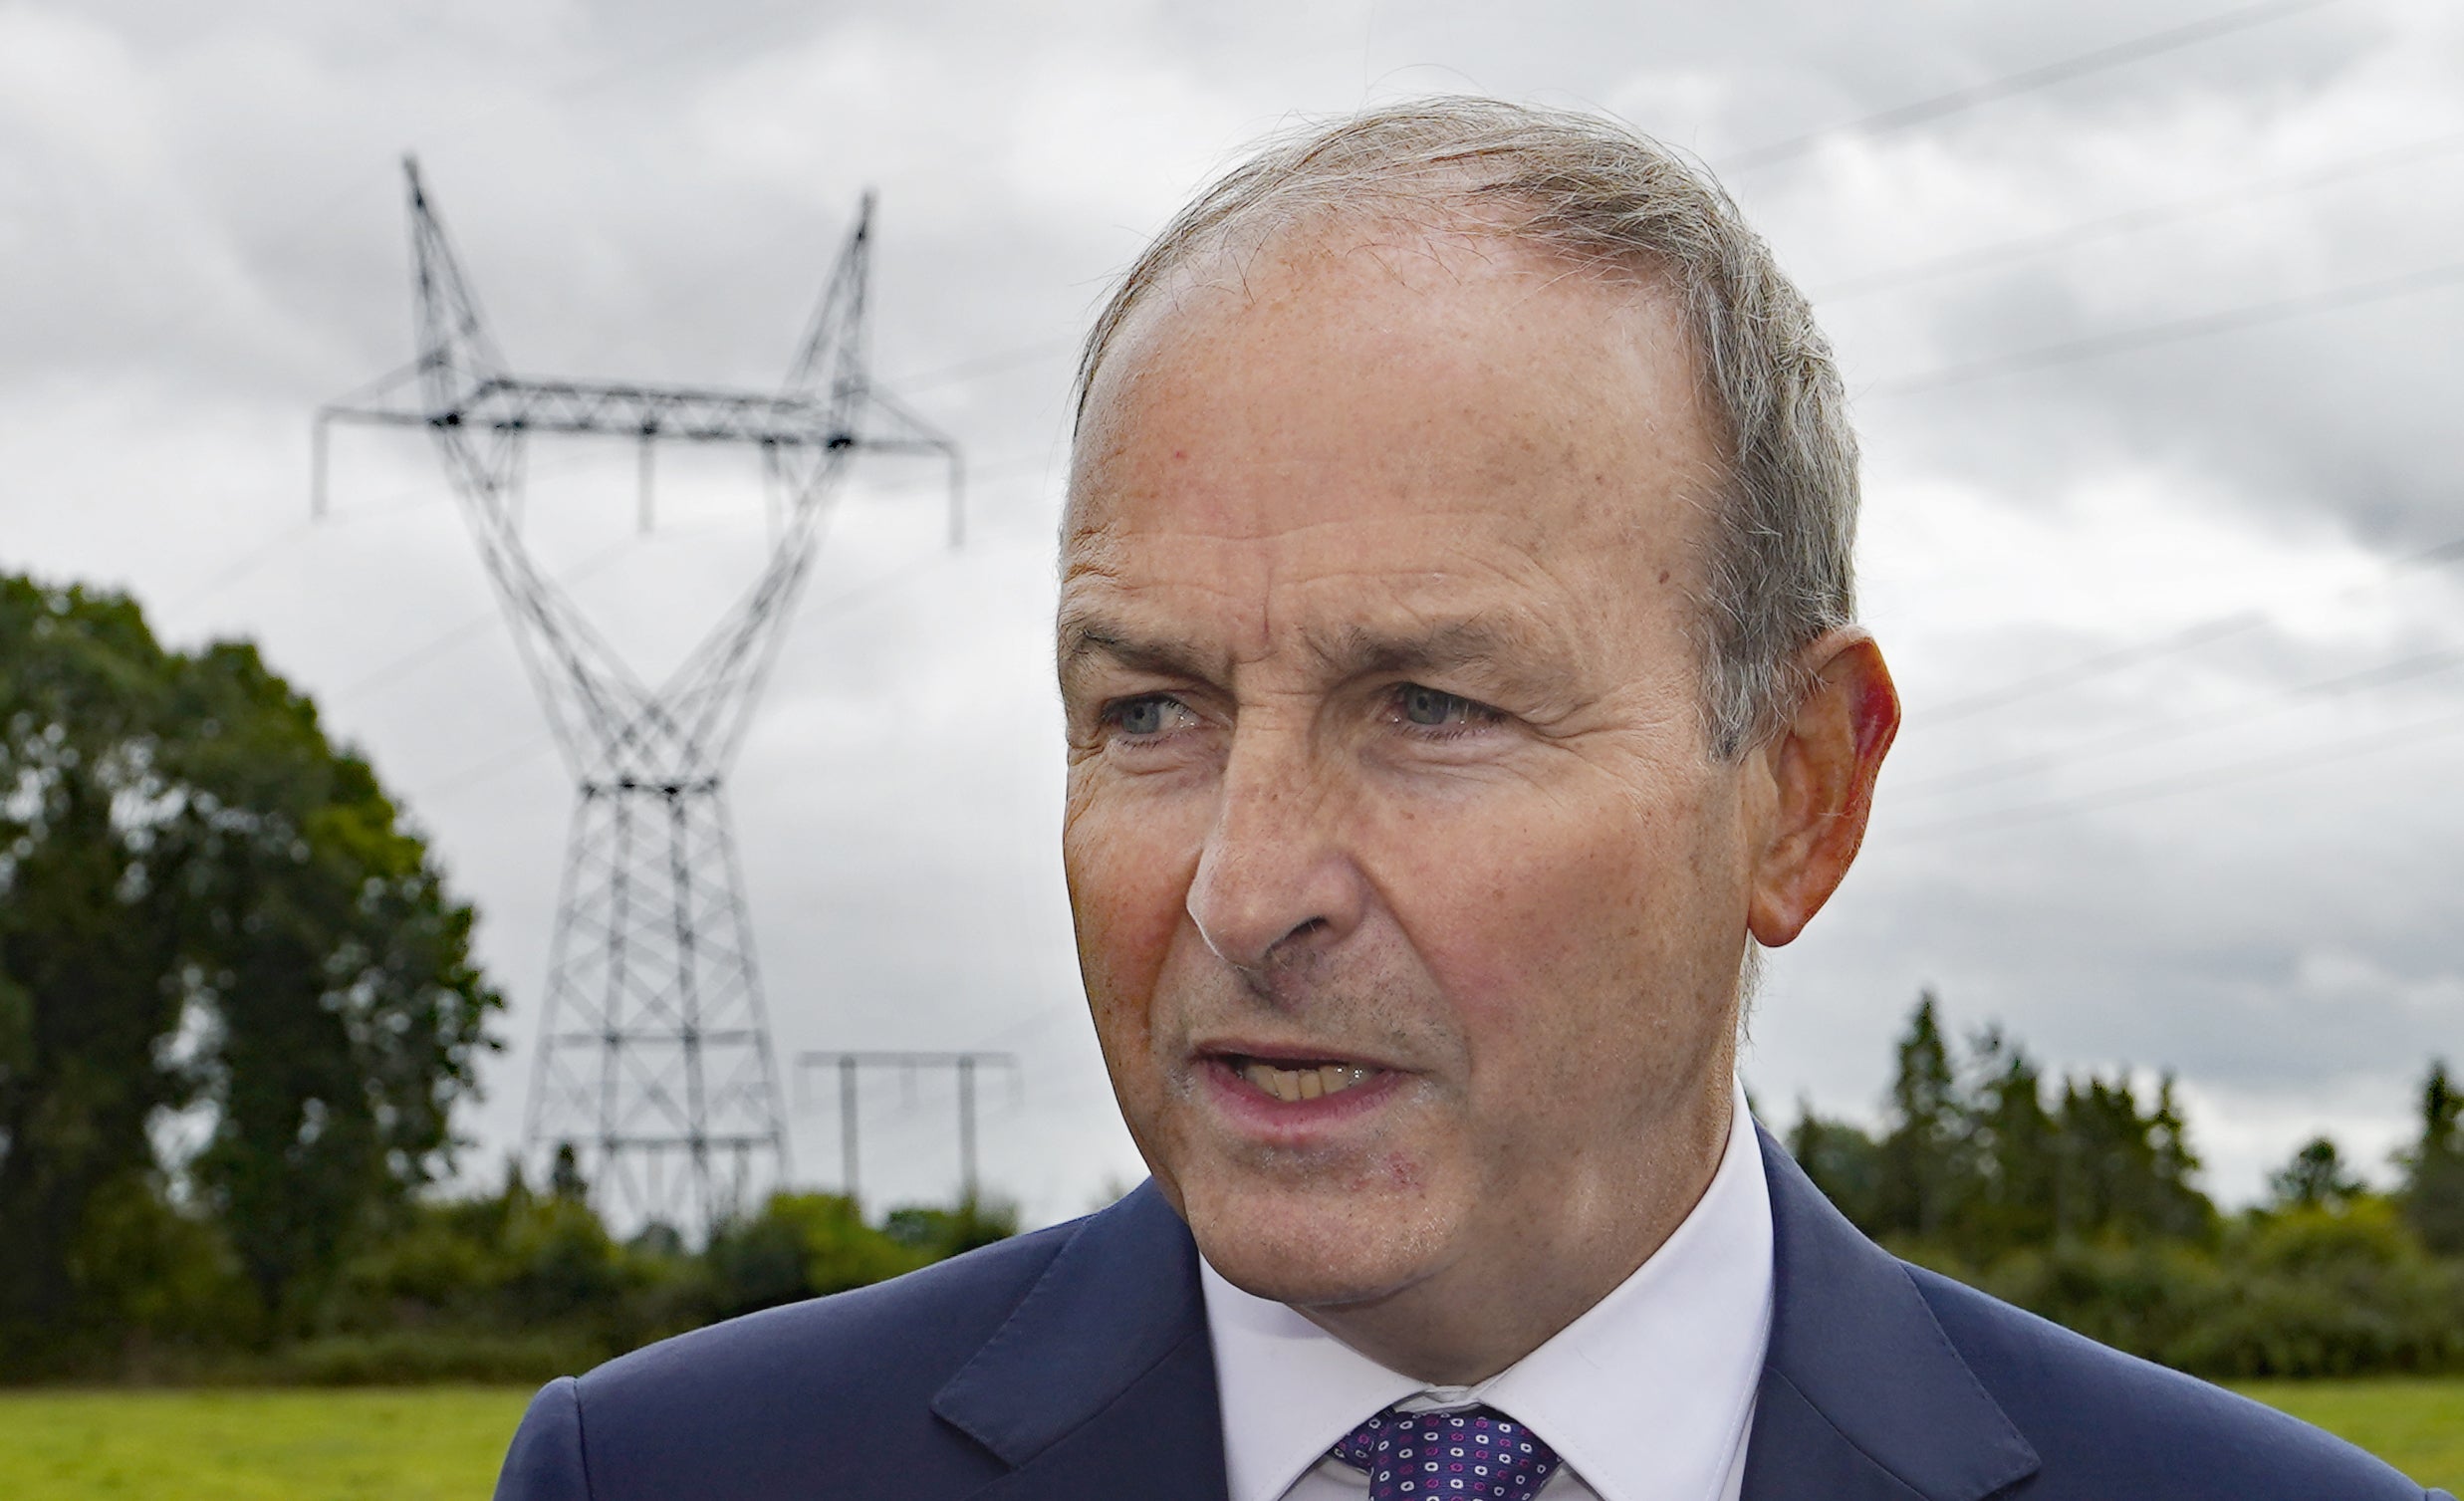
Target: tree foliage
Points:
(1981, 1155)
(2316, 1178)
(2077, 1200)
(2433, 1193)
(520, 1284)
(212, 918)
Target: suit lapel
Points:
(1861, 1395)
(1102, 1381)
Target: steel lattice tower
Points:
(655, 1060)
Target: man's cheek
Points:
(1128, 906)
(1516, 900)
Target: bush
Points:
(2146, 1299)
(942, 1234)
(150, 1275)
(802, 1245)
(2320, 1292)
(2303, 1292)
(406, 1356)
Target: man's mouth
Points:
(1292, 1081)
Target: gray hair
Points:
(1779, 573)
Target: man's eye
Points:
(1151, 715)
(1433, 710)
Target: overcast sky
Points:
(2155, 370)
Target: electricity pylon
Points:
(654, 1061)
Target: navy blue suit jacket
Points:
(1072, 1364)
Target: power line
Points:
(850, 1064)
(2193, 781)
(240, 567)
(510, 756)
(2175, 331)
(2028, 80)
(481, 770)
(437, 646)
(2170, 643)
(288, 233)
(417, 655)
(2188, 638)
(477, 625)
(257, 557)
(968, 370)
(2140, 737)
(2146, 216)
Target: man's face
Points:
(1410, 899)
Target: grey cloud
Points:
(200, 218)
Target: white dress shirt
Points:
(1647, 1397)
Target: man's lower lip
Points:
(1287, 1093)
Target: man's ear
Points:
(1820, 768)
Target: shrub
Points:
(802, 1245)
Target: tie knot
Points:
(1470, 1455)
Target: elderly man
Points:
(1461, 679)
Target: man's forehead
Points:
(1327, 462)
(1487, 360)
(1470, 285)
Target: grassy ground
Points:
(2415, 1425)
(429, 1444)
(433, 1443)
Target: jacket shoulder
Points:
(2110, 1426)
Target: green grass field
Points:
(2415, 1425)
(425, 1443)
(432, 1443)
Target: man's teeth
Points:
(1305, 1084)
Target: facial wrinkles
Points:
(1232, 503)
(1277, 700)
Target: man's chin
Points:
(1313, 1250)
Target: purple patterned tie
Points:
(1474, 1453)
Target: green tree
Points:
(801, 1245)
(2433, 1192)
(2175, 1207)
(565, 1179)
(1923, 1167)
(2316, 1177)
(941, 1233)
(1842, 1162)
(84, 956)
(2016, 1142)
(2106, 1154)
(1977, 1163)
(206, 906)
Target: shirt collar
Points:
(1645, 1395)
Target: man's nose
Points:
(1275, 880)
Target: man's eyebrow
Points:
(1494, 640)
(1082, 640)
(1503, 645)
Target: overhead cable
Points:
(2028, 80)
(2200, 780)
(510, 756)
(470, 629)
(2138, 737)
(2175, 331)
(2146, 216)
(2170, 643)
